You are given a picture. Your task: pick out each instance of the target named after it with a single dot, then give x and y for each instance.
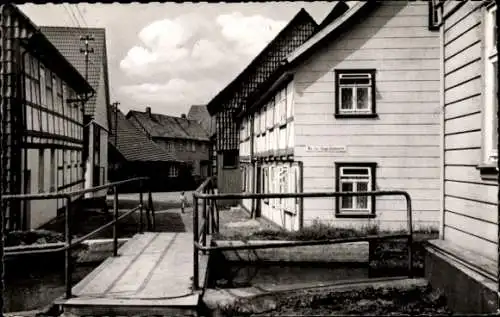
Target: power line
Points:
(81, 15)
(72, 14)
(69, 14)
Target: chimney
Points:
(148, 110)
(183, 116)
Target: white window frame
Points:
(490, 150)
(173, 171)
(355, 179)
(353, 86)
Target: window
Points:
(355, 177)
(229, 158)
(52, 170)
(355, 93)
(173, 171)
(265, 182)
(193, 146)
(243, 178)
(43, 86)
(41, 170)
(490, 129)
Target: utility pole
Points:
(114, 106)
(86, 51)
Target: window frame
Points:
(173, 171)
(371, 212)
(488, 166)
(372, 108)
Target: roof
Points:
(163, 126)
(353, 15)
(134, 144)
(198, 113)
(231, 88)
(67, 40)
(38, 44)
(282, 75)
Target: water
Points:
(34, 288)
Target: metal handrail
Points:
(69, 244)
(200, 193)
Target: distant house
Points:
(464, 262)
(97, 112)
(42, 121)
(133, 154)
(355, 108)
(232, 98)
(185, 139)
(200, 114)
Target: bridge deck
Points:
(151, 274)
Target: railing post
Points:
(67, 252)
(205, 225)
(410, 235)
(115, 218)
(195, 240)
(153, 217)
(141, 204)
(148, 209)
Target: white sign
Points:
(325, 148)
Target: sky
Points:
(169, 56)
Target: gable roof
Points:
(215, 103)
(36, 41)
(198, 113)
(163, 126)
(67, 40)
(282, 75)
(133, 144)
(336, 26)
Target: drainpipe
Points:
(442, 123)
(301, 189)
(253, 204)
(25, 163)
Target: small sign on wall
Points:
(326, 148)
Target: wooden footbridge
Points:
(152, 274)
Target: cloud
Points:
(187, 60)
(251, 34)
(174, 92)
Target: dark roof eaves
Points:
(302, 14)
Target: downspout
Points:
(25, 138)
(253, 164)
(300, 190)
(442, 124)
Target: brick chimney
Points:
(148, 111)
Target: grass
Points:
(369, 301)
(318, 231)
(16, 238)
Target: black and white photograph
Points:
(268, 158)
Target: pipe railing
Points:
(205, 192)
(69, 243)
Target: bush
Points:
(16, 238)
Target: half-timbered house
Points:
(43, 96)
(464, 261)
(71, 42)
(231, 99)
(355, 108)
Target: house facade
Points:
(355, 108)
(133, 154)
(42, 120)
(232, 99)
(97, 110)
(186, 139)
(464, 261)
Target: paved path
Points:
(151, 274)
